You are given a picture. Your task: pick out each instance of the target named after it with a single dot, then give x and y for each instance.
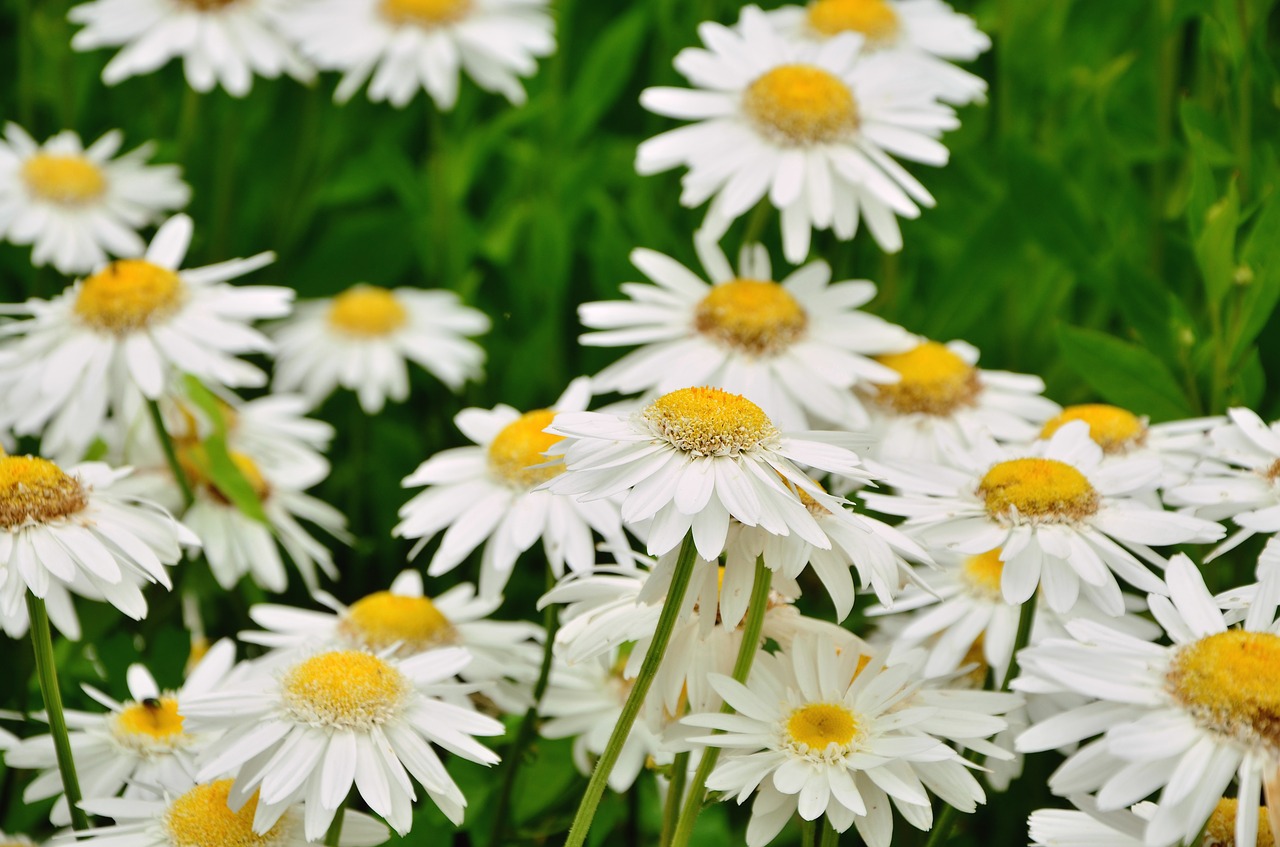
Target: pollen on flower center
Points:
(1220, 831)
(149, 724)
(1230, 682)
(367, 311)
(426, 12)
(934, 381)
(202, 818)
(33, 489)
(522, 444)
(69, 180)
(799, 105)
(752, 316)
(709, 422)
(983, 573)
(874, 19)
(1113, 429)
(1041, 489)
(383, 619)
(128, 295)
(819, 725)
(345, 689)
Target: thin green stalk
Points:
(26, 67)
(631, 708)
(47, 673)
(808, 833)
(675, 793)
(170, 453)
(829, 835)
(755, 223)
(1244, 107)
(741, 668)
(334, 835)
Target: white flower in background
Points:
(794, 347)
(220, 42)
(1088, 826)
(492, 495)
(363, 339)
(941, 397)
(809, 127)
(315, 728)
(917, 38)
(77, 205)
(403, 46)
(136, 324)
(1186, 719)
(141, 746)
(15, 840)
(1063, 519)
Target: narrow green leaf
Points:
(605, 71)
(213, 459)
(1123, 373)
(1215, 245)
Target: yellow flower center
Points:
(751, 316)
(1230, 682)
(344, 690)
(1040, 489)
(709, 422)
(1115, 430)
(426, 12)
(150, 722)
(1220, 831)
(384, 619)
(983, 572)
(195, 462)
(819, 725)
(69, 180)
(934, 381)
(202, 818)
(128, 295)
(874, 19)
(367, 311)
(521, 444)
(33, 489)
(798, 105)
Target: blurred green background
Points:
(1109, 221)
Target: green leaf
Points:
(214, 460)
(605, 71)
(1215, 245)
(1123, 373)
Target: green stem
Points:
(170, 453)
(741, 668)
(631, 708)
(808, 833)
(829, 835)
(26, 67)
(675, 793)
(755, 223)
(47, 673)
(334, 836)
(1244, 109)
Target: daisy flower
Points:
(1088, 826)
(76, 205)
(315, 728)
(15, 840)
(695, 457)
(1186, 719)
(795, 347)
(220, 42)
(362, 339)
(1063, 520)
(135, 324)
(140, 745)
(808, 126)
(410, 45)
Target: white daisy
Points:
(138, 746)
(362, 339)
(135, 324)
(808, 126)
(339, 719)
(76, 205)
(410, 45)
(16, 840)
(1064, 520)
(1088, 826)
(220, 42)
(1185, 719)
(794, 347)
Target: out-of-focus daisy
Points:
(1061, 518)
(16, 840)
(941, 396)
(1088, 826)
(1187, 719)
(135, 324)
(794, 347)
(339, 719)
(695, 457)
(138, 747)
(410, 45)
(808, 126)
(492, 494)
(220, 42)
(362, 339)
(77, 205)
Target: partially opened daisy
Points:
(136, 324)
(316, 728)
(1063, 520)
(808, 126)
(401, 47)
(363, 339)
(793, 347)
(1187, 719)
(220, 42)
(76, 205)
